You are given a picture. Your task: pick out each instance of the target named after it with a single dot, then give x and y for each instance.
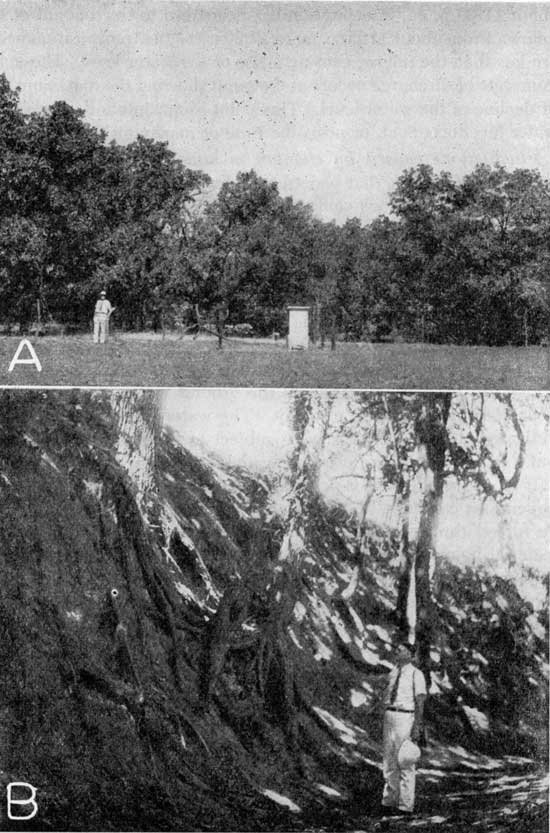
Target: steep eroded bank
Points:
(152, 677)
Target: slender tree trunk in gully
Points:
(311, 417)
(431, 429)
(415, 597)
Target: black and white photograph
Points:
(275, 194)
(274, 416)
(227, 610)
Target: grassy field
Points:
(148, 360)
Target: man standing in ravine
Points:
(403, 728)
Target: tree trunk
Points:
(431, 430)
(271, 660)
(505, 534)
(276, 672)
(406, 558)
(333, 331)
(415, 597)
(311, 417)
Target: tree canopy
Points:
(455, 262)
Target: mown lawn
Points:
(147, 360)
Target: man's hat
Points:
(102, 292)
(409, 754)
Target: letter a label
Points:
(33, 359)
(30, 800)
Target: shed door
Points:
(298, 328)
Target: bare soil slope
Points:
(147, 685)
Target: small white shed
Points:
(298, 328)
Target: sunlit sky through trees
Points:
(331, 100)
(253, 429)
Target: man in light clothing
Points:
(102, 313)
(404, 701)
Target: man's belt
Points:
(395, 709)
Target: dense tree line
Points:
(77, 214)
(454, 262)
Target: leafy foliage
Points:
(458, 262)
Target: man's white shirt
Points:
(406, 691)
(103, 307)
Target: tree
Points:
(470, 254)
(140, 256)
(23, 252)
(251, 252)
(311, 415)
(11, 118)
(92, 214)
(509, 218)
(431, 431)
(411, 446)
(274, 589)
(75, 157)
(492, 464)
(425, 205)
(23, 195)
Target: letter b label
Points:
(22, 785)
